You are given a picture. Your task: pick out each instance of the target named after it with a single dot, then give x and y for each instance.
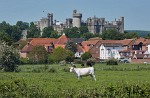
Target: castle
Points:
(94, 24)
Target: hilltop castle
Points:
(94, 24)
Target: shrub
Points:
(52, 70)
(112, 62)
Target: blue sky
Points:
(136, 12)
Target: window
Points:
(96, 46)
(109, 52)
(96, 51)
(102, 51)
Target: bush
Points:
(24, 61)
(112, 62)
(52, 70)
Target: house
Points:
(49, 44)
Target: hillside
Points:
(141, 33)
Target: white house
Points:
(110, 51)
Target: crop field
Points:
(55, 81)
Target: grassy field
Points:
(55, 78)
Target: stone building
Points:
(94, 24)
(45, 22)
(98, 25)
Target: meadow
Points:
(55, 81)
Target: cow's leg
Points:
(93, 77)
(78, 77)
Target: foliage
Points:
(13, 32)
(112, 34)
(8, 58)
(112, 62)
(22, 25)
(72, 32)
(19, 89)
(87, 35)
(60, 54)
(69, 56)
(131, 35)
(83, 29)
(47, 31)
(86, 56)
(71, 46)
(147, 36)
(33, 31)
(38, 54)
(4, 37)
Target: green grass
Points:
(57, 81)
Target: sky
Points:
(135, 12)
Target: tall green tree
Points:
(13, 31)
(83, 30)
(58, 54)
(87, 35)
(22, 25)
(38, 54)
(70, 45)
(4, 37)
(47, 31)
(72, 32)
(9, 58)
(33, 31)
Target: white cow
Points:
(83, 72)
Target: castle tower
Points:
(76, 19)
(50, 19)
(122, 24)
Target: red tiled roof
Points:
(59, 45)
(62, 39)
(42, 41)
(122, 42)
(80, 48)
(87, 44)
(27, 48)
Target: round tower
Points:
(77, 19)
(122, 24)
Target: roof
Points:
(116, 42)
(27, 48)
(77, 40)
(87, 45)
(80, 48)
(139, 40)
(42, 41)
(62, 39)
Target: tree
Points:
(47, 31)
(72, 32)
(131, 35)
(148, 36)
(33, 32)
(38, 54)
(22, 25)
(71, 46)
(70, 56)
(87, 35)
(8, 58)
(83, 29)
(4, 37)
(86, 56)
(112, 34)
(58, 54)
